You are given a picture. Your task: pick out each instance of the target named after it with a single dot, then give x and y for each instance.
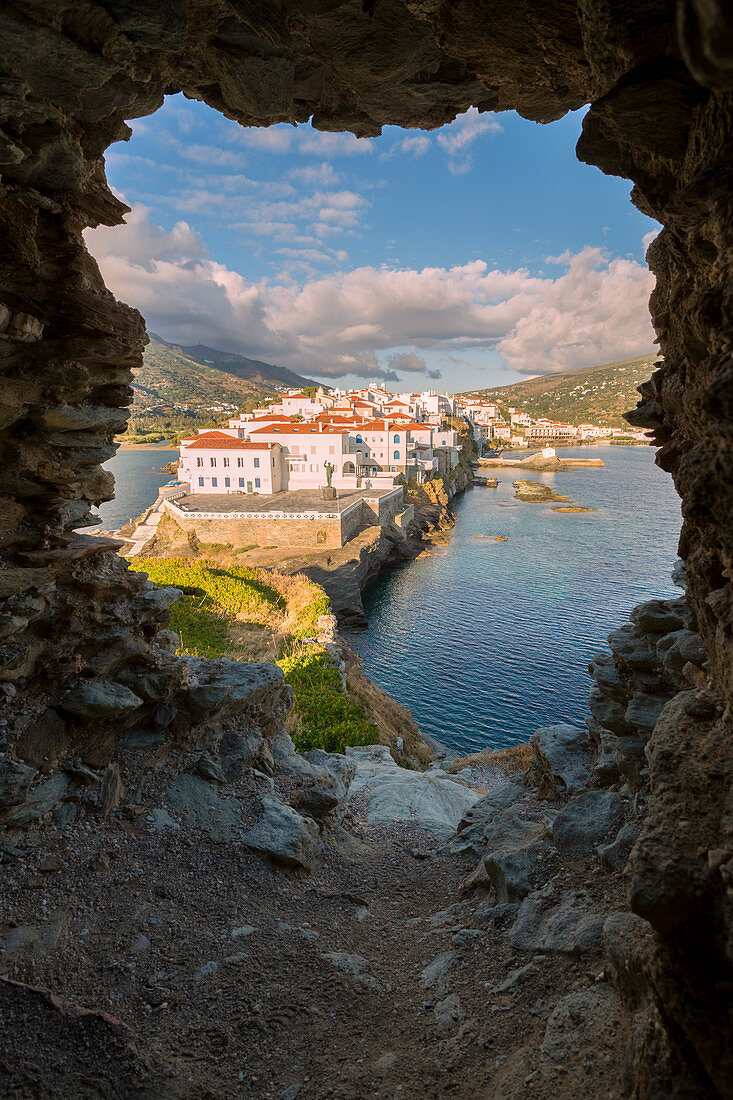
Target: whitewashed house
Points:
(215, 462)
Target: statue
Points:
(329, 468)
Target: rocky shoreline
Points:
(344, 574)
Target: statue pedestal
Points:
(328, 492)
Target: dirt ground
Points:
(164, 964)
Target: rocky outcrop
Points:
(534, 492)
(344, 573)
(434, 800)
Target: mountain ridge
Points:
(241, 366)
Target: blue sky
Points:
(475, 254)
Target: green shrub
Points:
(328, 718)
(203, 633)
(234, 591)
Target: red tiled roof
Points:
(298, 429)
(220, 441)
(381, 426)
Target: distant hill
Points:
(594, 395)
(181, 389)
(173, 374)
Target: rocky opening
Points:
(81, 674)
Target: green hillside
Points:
(179, 375)
(178, 389)
(594, 395)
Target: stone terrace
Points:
(296, 501)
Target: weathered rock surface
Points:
(433, 800)
(586, 820)
(564, 754)
(476, 825)
(534, 492)
(199, 804)
(99, 699)
(514, 844)
(658, 81)
(550, 921)
(576, 1021)
(281, 834)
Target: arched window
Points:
(396, 439)
(359, 439)
(396, 454)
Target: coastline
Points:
(162, 445)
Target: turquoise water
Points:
(485, 641)
(136, 484)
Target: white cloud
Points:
(457, 136)
(304, 139)
(593, 311)
(415, 145)
(647, 239)
(269, 139)
(317, 175)
(322, 143)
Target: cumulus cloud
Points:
(318, 175)
(457, 136)
(593, 310)
(647, 239)
(408, 361)
(303, 139)
(414, 145)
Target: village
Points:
(345, 441)
(511, 427)
(316, 468)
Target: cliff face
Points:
(78, 663)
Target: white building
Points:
(300, 404)
(550, 429)
(216, 462)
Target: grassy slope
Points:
(595, 395)
(254, 614)
(168, 376)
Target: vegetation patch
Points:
(596, 395)
(240, 613)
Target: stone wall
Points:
(263, 532)
(659, 78)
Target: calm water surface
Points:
(136, 484)
(485, 641)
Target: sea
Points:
(486, 641)
(138, 477)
